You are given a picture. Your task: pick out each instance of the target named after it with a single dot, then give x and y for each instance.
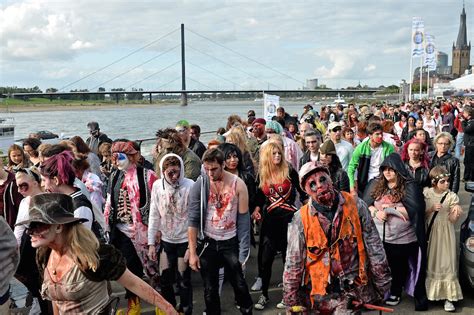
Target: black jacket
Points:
(340, 180)
(420, 175)
(468, 128)
(414, 203)
(452, 165)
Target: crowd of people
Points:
(359, 202)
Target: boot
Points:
(134, 306)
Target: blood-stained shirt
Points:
(222, 209)
(294, 290)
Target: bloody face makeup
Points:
(41, 234)
(319, 186)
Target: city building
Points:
(311, 84)
(461, 50)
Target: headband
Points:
(438, 177)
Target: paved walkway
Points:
(227, 299)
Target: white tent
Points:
(463, 83)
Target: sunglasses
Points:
(37, 228)
(336, 129)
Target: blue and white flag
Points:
(430, 53)
(417, 37)
(270, 105)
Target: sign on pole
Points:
(270, 105)
(417, 37)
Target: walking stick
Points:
(381, 309)
(383, 238)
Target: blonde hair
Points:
(83, 245)
(238, 137)
(446, 135)
(268, 172)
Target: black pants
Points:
(217, 254)
(125, 246)
(169, 275)
(398, 256)
(469, 163)
(273, 238)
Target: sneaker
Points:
(257, 286)
(393, 300)
(281, 305)
(449, 306)
(262, 301)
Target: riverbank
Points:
(40, 107)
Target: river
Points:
(141, 122)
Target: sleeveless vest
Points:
(319, 253)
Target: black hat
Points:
(52, 208)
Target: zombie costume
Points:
(277, 201)
(334, 252)
(126, 214)
(224, 234)
(169, 215)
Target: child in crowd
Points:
(442, 212)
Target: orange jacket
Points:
(319, 254)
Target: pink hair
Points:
(424, 151)
(60, 166)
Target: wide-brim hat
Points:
(51, 208)
(310, 168)
(328, 147)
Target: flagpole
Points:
(428, 84)
(410, 76)
(421, 75)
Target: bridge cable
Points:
(215, 74)
(137, 66)
(233, 67)
(246, 57)
(120, 59)
(153, 74)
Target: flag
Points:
(430, 53)
(270, 105)
(417, 37)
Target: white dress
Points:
(442, 282)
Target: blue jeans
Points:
(459, 144)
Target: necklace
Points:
(57, 265)
(218, 195)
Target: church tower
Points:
(461, 50)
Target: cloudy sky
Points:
(229, 44)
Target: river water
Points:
(141, 122)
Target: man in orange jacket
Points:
(334, 255)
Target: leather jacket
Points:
(468, 127)
(452, 165)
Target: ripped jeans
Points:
(172, 268)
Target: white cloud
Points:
(370, 68)
(85, 35)
(342, 60)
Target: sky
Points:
(85, 44)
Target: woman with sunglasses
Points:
(397, 207)
(28, 181)
(75, 268)
(442, 212)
